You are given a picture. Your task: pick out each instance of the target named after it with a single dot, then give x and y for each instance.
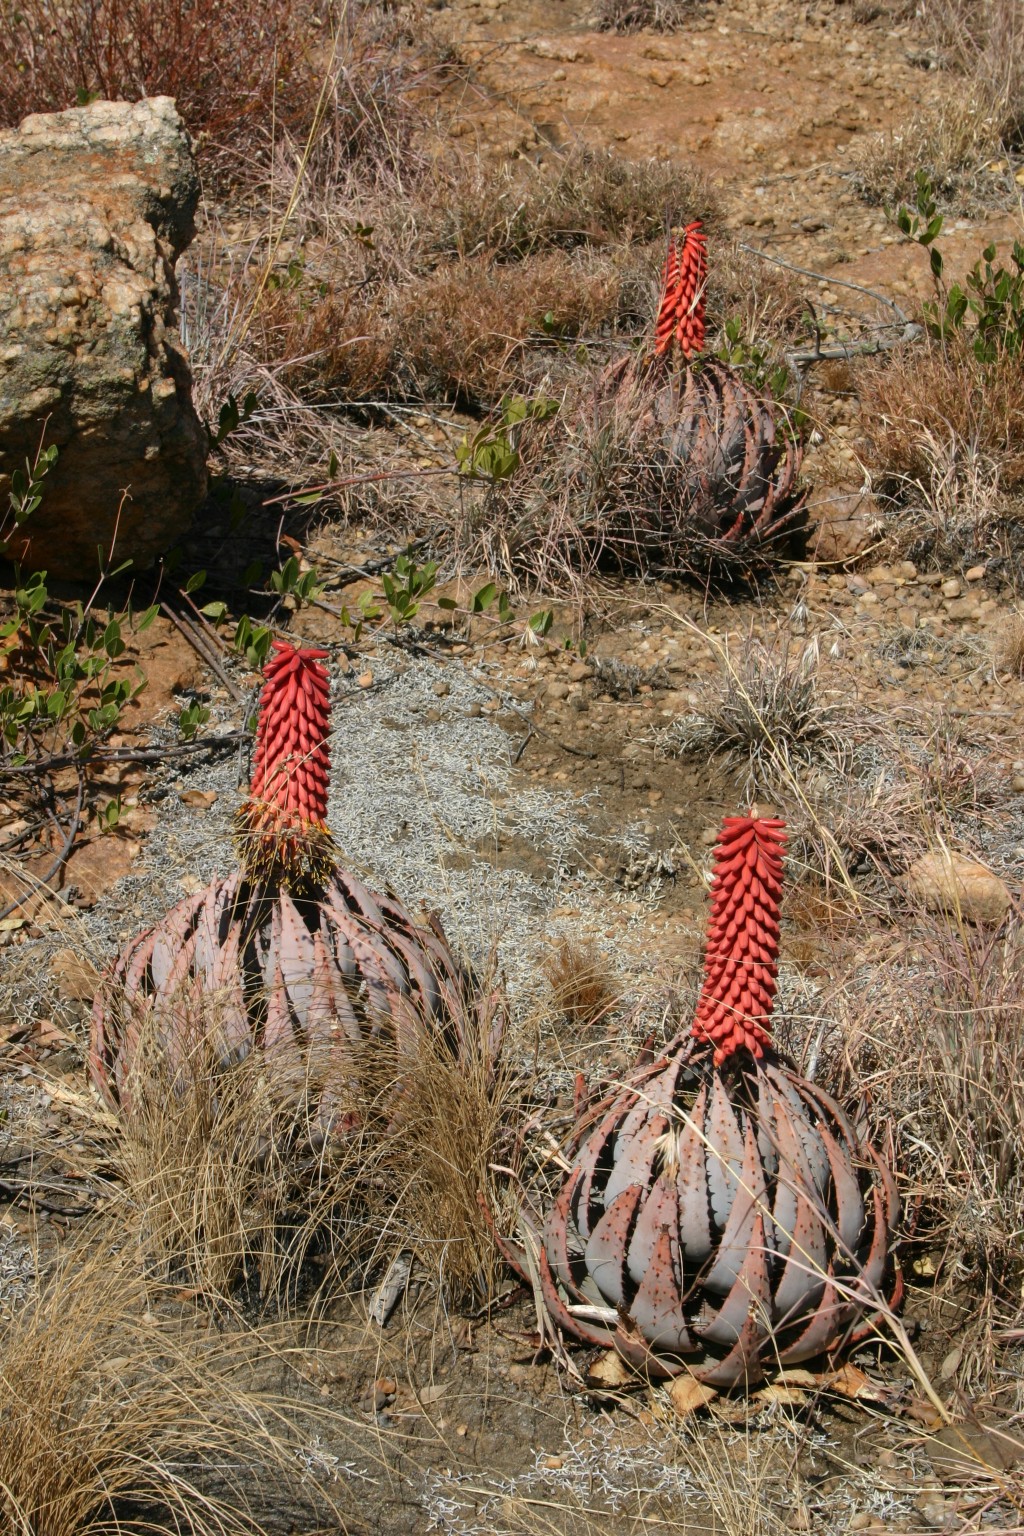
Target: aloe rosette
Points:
(722, 1216)
(291, 954)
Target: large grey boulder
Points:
(96, 206)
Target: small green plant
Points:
(232, 416)
(293, 582)
(65, 691)
(191, 719)
(25, 494)
(406, 587)
(760, 369)
(492, 453)
(992, 302)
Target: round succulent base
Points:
(725, 1222)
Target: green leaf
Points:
(214, 611)
(483, 599)
(146, 619)
(541, 622)
(195, 581)
(447, 603)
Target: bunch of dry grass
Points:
(949, 142)
(269, 1178)
(981, 44)
(583, 989)
(460, 333)
(945, 440)
(434, 1167)
(932, 1036)
(114, 1422)
(645, 15)
(765, 713)
(579, 197)
(985, 40)
(230, 1180)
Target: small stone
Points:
(709, 837)
(441, 690)
(933, 1509)
(384, 1389)
(578, 672)
(661, 75)
(908, 570)
(950, 882)
(198, 799)
(365, 680)
(951, 588)
(475, 710)
(1017, 783)
(976, 573)
(557, 691)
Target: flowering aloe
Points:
(722, 1215)
(291, 954)
(707, 470)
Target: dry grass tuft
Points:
(766, 715)
(434, 1165)
(985, 40)
(948, 142)
(645, 15)
(583, 990)
(946, 443)
(933, 1039)
(112, 1423)
(1010, 654)
(229, 1177)
(262, 1181)
(981, 45)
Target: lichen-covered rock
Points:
(96, 205)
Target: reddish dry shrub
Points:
(458, 334)
(226, 66)
(932, 392)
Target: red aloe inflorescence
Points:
(683, 281)
(742, 957)
(291, 955)
(284, 819)
(721, 1215)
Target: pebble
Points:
(441, 689)
(951, 587)
(976, 573)
(1017, 783)
(557, 690)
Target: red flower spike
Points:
(741, 959)
(283, 822)
(683, 282)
